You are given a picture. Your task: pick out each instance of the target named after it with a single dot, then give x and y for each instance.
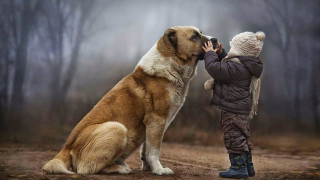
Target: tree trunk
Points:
(61, 83)
(21, 58)
(4, 80)
(57, 39)
(70, 72)
(315, 88)
(297, 103)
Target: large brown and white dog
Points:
(137, 111)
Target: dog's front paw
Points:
(162, 171)
(208, 85)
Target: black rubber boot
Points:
(238, 167)
(250, 167)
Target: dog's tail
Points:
(59, 164)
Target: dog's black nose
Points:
(214, 42)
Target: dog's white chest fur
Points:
(154, 63)
(177, 97)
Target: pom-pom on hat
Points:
(247, 44)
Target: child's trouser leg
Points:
(235, 128)
(236, 133)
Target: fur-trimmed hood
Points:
(253, 64)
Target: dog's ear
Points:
(170, 37)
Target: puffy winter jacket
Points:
(232, 81)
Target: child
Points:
(236, 92)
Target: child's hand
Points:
(218, 50)
(209, 47)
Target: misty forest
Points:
(58, 58)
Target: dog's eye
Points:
(196, 36)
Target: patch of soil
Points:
(24, 161)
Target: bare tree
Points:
(66, 27)
(22, 23)
(284, 20)
(52, 36)
(17, 20)
(314, 90)
(5, 29)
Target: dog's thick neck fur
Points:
(156, 64)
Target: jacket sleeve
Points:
(218, 70)
(222, 55)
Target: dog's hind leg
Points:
(102, 148)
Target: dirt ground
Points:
(22, 161)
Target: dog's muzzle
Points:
(201, 55)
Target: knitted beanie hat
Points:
(246, 44)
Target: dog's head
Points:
(182, 42)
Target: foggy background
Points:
(58, 58)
